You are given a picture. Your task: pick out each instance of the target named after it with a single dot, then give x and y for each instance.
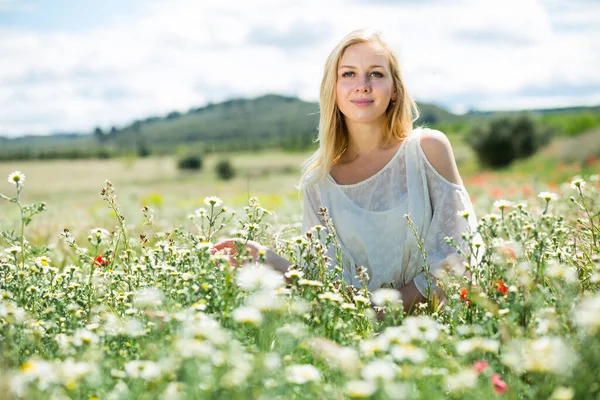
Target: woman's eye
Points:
(348, 73)
(377, 74)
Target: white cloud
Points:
(182, 53)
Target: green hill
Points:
(270, 121)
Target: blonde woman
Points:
(372, 170)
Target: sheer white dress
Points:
(369, 218)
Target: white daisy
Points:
(16, 178)
(213, 201)
(302, 373)
(548, 196)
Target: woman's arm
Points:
(255, 249)
(411, 296)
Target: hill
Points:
(270, 121)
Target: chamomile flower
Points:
(577, 183)
(16, 178)
(213, 201)
(302, 373)
(247, 315)
(385, 296)
(502, 204)
(358, 389)
(548, 196)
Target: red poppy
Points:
(463, 295)
(499, 385)
(591, 160)
(101, 260)
(501, 287)
(481, 365)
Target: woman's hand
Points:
(231, 246)
(256, 250)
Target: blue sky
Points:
(68, 66)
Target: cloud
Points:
(181, 54)
(494, 37)
(298, 35)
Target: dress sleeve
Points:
(310, 208)
(449, 202)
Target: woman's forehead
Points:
(365, 52)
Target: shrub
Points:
(224, 170)
(190, 162)
(504, 139)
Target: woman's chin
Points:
(366, 118)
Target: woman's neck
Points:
(364, 139)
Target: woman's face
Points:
(364, 84)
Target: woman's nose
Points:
(363, 85)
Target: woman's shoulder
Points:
(437, 149)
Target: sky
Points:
(72, 65)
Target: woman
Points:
(372, 171)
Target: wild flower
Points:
(100, 234)
(466, 379)
(562, 393)
(379, 370)
(577, 184)
(213, 201)
(499, 385)
(422, 328)
(247, 315)
(83, 336)
(148, 297)
(252, 277)
(477, 343)
(501, 287)
(302, 373)
(464, 296)
(587, 314)
(16, 178)
(410, 352)
(360, 389)
(548, 196)
(555, 269)
(143, 369)
(545, 354)
(385, 296)
(13, 250)
(369, 347)
(100, 260)
(331, 296)
(481, 366)
(502, 204)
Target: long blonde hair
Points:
(333, 134)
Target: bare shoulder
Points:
(438, 150)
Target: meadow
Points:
(130, 302)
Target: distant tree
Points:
(173, 115)
(99, 135)
(143, 150)
(190, 162)
(507, 138)
(225, 170)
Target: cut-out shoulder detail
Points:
(438, 151)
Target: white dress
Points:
(370, 221)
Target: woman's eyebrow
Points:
(351, 66)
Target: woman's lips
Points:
(362, 103)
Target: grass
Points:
(71, 188)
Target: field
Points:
(98, 312)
